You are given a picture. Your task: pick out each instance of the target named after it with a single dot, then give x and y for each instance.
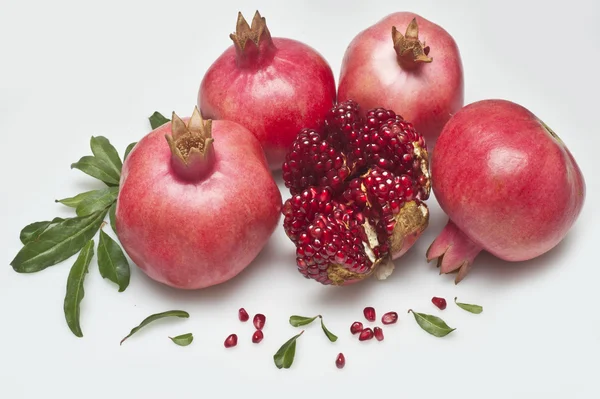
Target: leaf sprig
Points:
(297, 321)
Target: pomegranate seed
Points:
(439, 302)
(369, 313)
(340, 361)
(243, 315)
(389, 318)
(259, 321)
(257, 336)
(378, 332)
(356, 327)
(231, 341)
(366, 334)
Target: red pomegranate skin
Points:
(508, 183)
(195, 234)
(427, 94)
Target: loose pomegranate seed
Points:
(356, 327)
(369, 313)
(257, 336)
(366, 334)
(259, 321)
(340, 361)
(243, 315)
(231, 341)
(378, 332)
(389, 318)
(439, 302)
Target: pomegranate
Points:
(357, 188)
(422, 80)
(272, 86)
(508, 183)
(195, 209)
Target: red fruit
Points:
(378, 332)
(522, 193)
(243, 315)
(439, 302)
(356, 327)
(358, 190)
(340, 361)
(389, 318)
(369, 313)
(186, 214)
(272, 86)
(409, 64)
(257, 336)
(366, 334)
(259, 321)
(231, 341)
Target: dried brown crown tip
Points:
(191, 140)
(245, 32)
(408, 45)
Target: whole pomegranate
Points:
(195, 209)
(272, 86)
(509, 184)
(358, 188)
(422, 80)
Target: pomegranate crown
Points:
(245, 32)
(408, 46)
(191, 141)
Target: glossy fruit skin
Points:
(427, 94)
(509, 185)
(192, 235)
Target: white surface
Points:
(72, 69)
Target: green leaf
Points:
(97, 168)
(58, 243)
(113, 217)
(105, 151)
(285, 355)
(298, 321)
(432, 324)
(75, 292)
(32, 231)
(183, 340)
(128, 150)
(99, 200)
(469, 308)
(154, 317)
(112, 262)
(72, 202)
(156, 120)
(332, 337)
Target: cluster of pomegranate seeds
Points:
(366, 334)
(350, 184)
(259, 321)
(231, 341)
(439, 302)
(340, 361)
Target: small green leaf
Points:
(332, 337)
(156, 120)
(113, 217)
(183, 340)
(128, 150)
(469, 308)
(75, 292)
(154, 317)
(58, 243)
(72, 202)
(112, 262)
(298, 321)
(32, 231)
(285, 355)
(97, 168)
(432, 324)
(105, 151)
(99, 200)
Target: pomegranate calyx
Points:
(409, 49)
(252, 42)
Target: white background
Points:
(72, 69)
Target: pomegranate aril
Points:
(389, 318)
(243, 315)
(366, 334)
(356, 327)
(369, 313)
(257, 336)
(259, 321)
(439, 302)
(231, 341)
(378, 332)
(340, 361)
